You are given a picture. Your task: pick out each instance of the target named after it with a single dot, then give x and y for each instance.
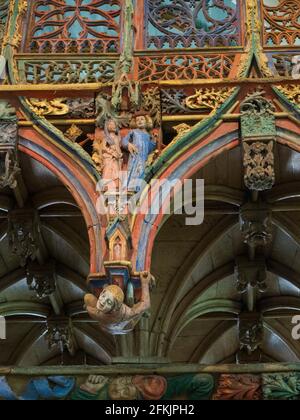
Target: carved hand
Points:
(133, 150)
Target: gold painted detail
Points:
(48, 107)
(208, 99)
(292, 92)
(73, 133)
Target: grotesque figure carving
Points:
(110, 310)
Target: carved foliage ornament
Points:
(208, 100)
(258, 116)
(239, 388)
(281, 386)
(292, 92)
(258, 126)
(259, 165)
(48, 107)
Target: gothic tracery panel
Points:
(192, 23)
(186, 67)
(72, 26)
(281, 22)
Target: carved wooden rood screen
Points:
(104, 295)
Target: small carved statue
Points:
(108, 155)
(113, 315)
(140, 144)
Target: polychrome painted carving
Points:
(192, 24)
(113, 315)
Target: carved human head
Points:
(142, 121)
(111, 299)
(123, 389)
(111, 126)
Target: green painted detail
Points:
(198, 132)
(281, 386)
(56, 134)
(292, 107)
(7, 112)
(257, 125)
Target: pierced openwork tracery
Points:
(186, 67)
(192, 23)
(71, 26)
(281, 22)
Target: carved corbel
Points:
(256, 224)
(258, 126)
(23, 234)
(41, 279)
(251, 332)
(251, 273)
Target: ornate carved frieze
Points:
(67, 71)
(251, 331)
(41, 279)
(258, 127)
(208, 99)
(23, 234)
(256, 224)
(185, 67)
(251, 273)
